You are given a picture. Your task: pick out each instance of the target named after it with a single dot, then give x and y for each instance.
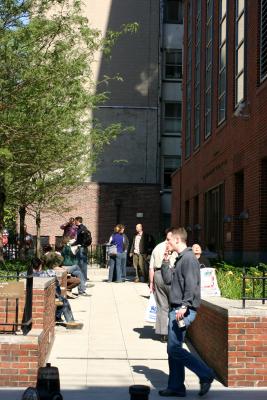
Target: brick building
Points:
(220, 192)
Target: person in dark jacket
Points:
(184, 298)
(83, 240)
(203, 261)
(141, 249)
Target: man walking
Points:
(142, 246)
(184, 297)
(160, 289)
(83, 240)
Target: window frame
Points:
(222, 71)
(238, 45)
(209, 68)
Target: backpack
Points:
(86, 238)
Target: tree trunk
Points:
(38, 233)
(2, 208)
(22, 214)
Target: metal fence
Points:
(97, 255)
(12, 295)
(253, 288)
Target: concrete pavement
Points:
(116, 348)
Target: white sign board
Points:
(209, 285)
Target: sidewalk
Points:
(116, 349)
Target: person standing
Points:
(160, 290)
(203, 261)
(115, 261)
(184, 298)
(141, 248)
(83, 240)
(69, 229)
(124, 253)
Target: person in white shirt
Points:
(160, 290)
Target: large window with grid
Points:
(173, 11)
(173, 64)
(240, 51)
(263, 39)
(208, 67)
(222, 75)
(172, 117)
(188, 81)
(197, 75)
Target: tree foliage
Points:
(48, 140)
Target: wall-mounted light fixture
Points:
(189, 228)
(227, 219)
(244, 215)
(197, 227)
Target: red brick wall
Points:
(96, 203)
(234, 346)
(237, 144)
(21, 356)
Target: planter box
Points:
(232, 340)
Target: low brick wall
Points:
(21, 356)
(232, 340)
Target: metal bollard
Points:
(139, 392)
(47, 387)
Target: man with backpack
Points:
(83, 240)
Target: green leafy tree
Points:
(48, 141)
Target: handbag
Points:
(151, 310)
(112, 249)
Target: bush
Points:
(229, 278)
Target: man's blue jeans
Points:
(75, 271)
(65, 310)
(180, 358)
(82, 257)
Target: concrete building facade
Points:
(148, 100)
(220, 192)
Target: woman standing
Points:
(124, 254)
(115, 261)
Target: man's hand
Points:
(152, 287)
(130, 254)
(180, 313)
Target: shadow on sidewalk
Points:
(122, 393)
(147, 332)
(157, 377)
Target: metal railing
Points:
(97, 255)
(256, 288)
(9, 298)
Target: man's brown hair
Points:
(181, 232)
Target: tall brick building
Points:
(220, 192)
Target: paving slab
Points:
(116, 348)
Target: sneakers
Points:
(71, 295)
(205, 387)
(89, 285)
(136, 280)
(84, 294)
(73, 325)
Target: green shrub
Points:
(229, 278)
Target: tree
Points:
(47, 135)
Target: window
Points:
(214, 211)
(263, 202)
(188, 82)
(171, 163)
(208, 67)
(172, 117)
(173, 11)
(173, 64)
(239, 51)
(222, 76)
(263, 39)
(197, 76)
